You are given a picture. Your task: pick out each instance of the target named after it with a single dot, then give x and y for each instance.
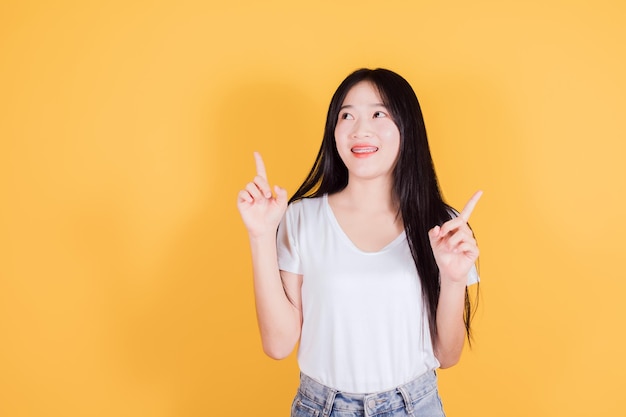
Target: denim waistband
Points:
(404, 395)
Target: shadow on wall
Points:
(175, 320)
(200, 329)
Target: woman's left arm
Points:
(455, 251)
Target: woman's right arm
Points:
(277, 293)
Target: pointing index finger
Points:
(260, 166)
(469, 207)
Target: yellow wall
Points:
(127, 128)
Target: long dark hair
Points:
(415, 186)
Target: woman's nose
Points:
(361, 129)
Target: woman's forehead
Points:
(364, 92)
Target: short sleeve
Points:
(472, 277)
(286, 243)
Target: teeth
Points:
(364, 150)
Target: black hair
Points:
(415, 185)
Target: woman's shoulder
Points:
(308, 202)
(306, 206)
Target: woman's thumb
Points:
(281, 195)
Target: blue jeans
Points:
(414, 399)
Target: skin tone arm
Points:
(277, 293)
(455, 252)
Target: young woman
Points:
(367, 267)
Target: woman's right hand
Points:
(260, 211)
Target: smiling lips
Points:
(363, 150)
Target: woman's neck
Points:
(369, 195)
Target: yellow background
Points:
(127, 128)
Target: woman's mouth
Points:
(361, 150)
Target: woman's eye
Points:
(346, 116)
(379, 114)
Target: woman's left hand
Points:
(454, 245)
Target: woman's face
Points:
(366, 137)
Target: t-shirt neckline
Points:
(335, 223)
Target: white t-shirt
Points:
(364, 326)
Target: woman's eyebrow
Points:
(350, 106)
